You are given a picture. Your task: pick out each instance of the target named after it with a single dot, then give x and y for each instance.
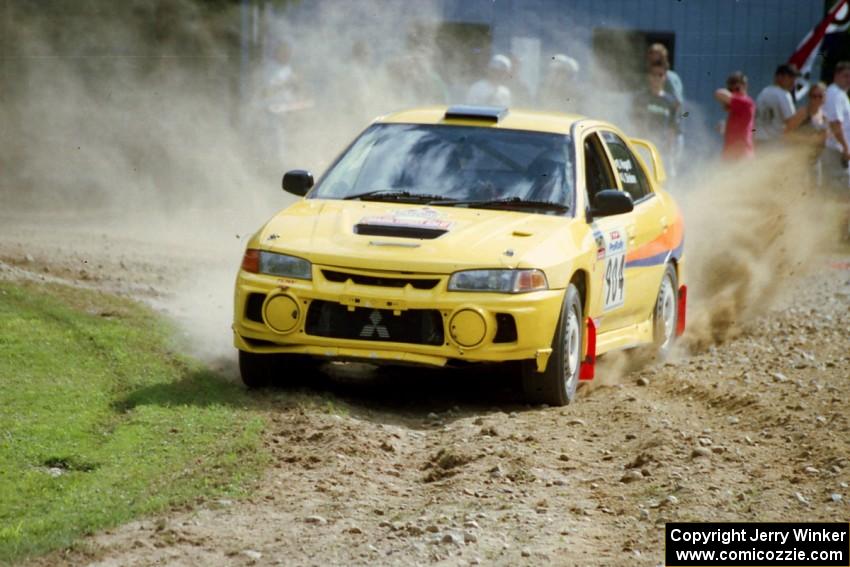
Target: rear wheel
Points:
(264, 370)
(666, 315)
(557, 385)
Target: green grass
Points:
(90, 386)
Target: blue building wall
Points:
(713, 37)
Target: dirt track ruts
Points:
(400, 467)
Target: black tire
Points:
(256, 369)
(264, 370)
(557, 385)
(665, 315)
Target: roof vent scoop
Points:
(483, 113)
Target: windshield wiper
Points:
(512, 202)
(392, 195)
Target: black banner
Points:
(742, 544)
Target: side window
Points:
(629, 171)
(597, 170)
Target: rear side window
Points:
(628, 169)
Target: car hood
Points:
(324, 232)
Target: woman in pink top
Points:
(738, 137)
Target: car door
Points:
(610, 289)
(647, 251)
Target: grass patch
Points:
(101, 421)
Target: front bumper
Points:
(391, 317)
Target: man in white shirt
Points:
(775, 106)
(493, 90)
(836, 109)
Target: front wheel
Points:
(263, 370)
(666, 315)
(557, 385)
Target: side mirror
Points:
(297, 182)
(610, 202)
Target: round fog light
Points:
(281, 313)
(468, 328)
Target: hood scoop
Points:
(420, 223)
(399, 230)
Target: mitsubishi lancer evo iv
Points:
(447, 236)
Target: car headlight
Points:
(273, 264)
(504, 281)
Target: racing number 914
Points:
(614, 281)
(615, 264)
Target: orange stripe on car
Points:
(666, 242)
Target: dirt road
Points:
(398, 467)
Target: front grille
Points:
(341, 277)
(414, 326)
(254, 307)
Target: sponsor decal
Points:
(624, 170)
(600, 245)
(412, 218)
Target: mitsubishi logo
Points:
(370, 330)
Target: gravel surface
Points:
(400, 467)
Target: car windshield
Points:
(469, 166)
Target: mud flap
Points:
(682, 308)
(588, 365)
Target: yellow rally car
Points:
(463, 235)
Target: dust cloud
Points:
(752, 229)
(142, 124)
(144, 121)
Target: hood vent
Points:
(400, 231)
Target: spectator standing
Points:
(814, 117)
(493, 90)
(836, 109)
(741, 110)
(279, 105)
(657, 53)
(656, 112)
(775, 106)
(520, 93)
(414, 75)
(809, 129)
(413, 81)
(561, 89)
(284, 90)
(810, 124)
(356, 78)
